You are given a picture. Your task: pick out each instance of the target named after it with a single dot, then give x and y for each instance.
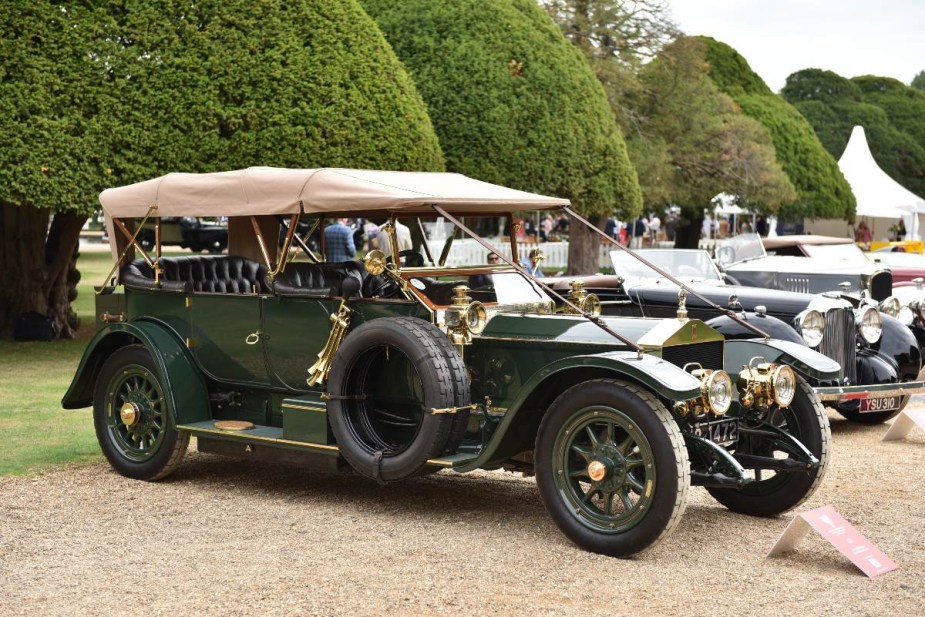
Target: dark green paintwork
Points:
(306, 419)
(185, 389)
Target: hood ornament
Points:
(682, 304)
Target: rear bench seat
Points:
(218, 274)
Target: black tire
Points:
(806, 420)
(850, 412)
(147, 447)
(392, 372)
(630, 432)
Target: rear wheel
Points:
(775, 492)
(133, 425)
(611, 467)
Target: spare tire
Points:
(388, 376)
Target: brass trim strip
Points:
(249, 437)
(439, 463)
(304, 408)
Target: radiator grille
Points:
(881, 285)
(708, 355)
(839, 340)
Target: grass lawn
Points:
(37, 432)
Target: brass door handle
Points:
(253, 338)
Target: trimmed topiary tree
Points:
(514, 103)
(833, 105)
(101, 94)
(822, 189)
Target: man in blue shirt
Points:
(338, 242)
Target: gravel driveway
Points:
(224, 537)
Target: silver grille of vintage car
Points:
(839, 341)
(881, 285)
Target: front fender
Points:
(770, 325)
(184, 386)
(811, 364)
(898, 343)
(664, 378)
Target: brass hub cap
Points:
(130, 414)
(597, 470)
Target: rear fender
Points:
(661, 377)
(184, 387)
(811, 364)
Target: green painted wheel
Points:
(605, 469)
(611, 467)
(131, 416)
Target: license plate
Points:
(883, 403)
(723, 432)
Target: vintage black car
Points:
(397, 370)
(880, 358)
(744, 261)
(189, 232)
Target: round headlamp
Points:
(475, 317)
(869, 324)
(891, 306)
(717, 392)
(783, 385)
(811, 325)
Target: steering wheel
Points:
(726, 255)
(410, 258)
(381, 286)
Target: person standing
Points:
(338, 242)
(863, 235)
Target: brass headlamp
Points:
(764, 383)
(715, 393)
(463, 317)
(587, 303)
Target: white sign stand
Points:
(838, 532)
(904, 423)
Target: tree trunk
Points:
(38, 270)
(688, 229)
(584, 247)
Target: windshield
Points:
(739, 248)
(841, 252)
(684, 264)
(486, 287)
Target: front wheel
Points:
(133, 424)
(611, 467)
(774, 492)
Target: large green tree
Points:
(822, 190)
(514, 103)
(833, 105)
(96, 94)
(692, 142)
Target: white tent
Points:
(877, 194)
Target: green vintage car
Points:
(400, 365)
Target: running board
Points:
(264, 435)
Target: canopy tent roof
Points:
(328, 191)
(877, 194)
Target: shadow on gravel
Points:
(442, 494)
(841, 426)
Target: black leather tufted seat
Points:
(324, 280)
(219, 274)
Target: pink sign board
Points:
(841, 534)
(904, 423)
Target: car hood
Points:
(647, 333)
(799, 265)
(665, 293)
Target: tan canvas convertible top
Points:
(270, 190)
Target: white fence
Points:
(468, 252)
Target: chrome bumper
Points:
(857, 393)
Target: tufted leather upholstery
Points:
(324, 280)
(219, 274)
